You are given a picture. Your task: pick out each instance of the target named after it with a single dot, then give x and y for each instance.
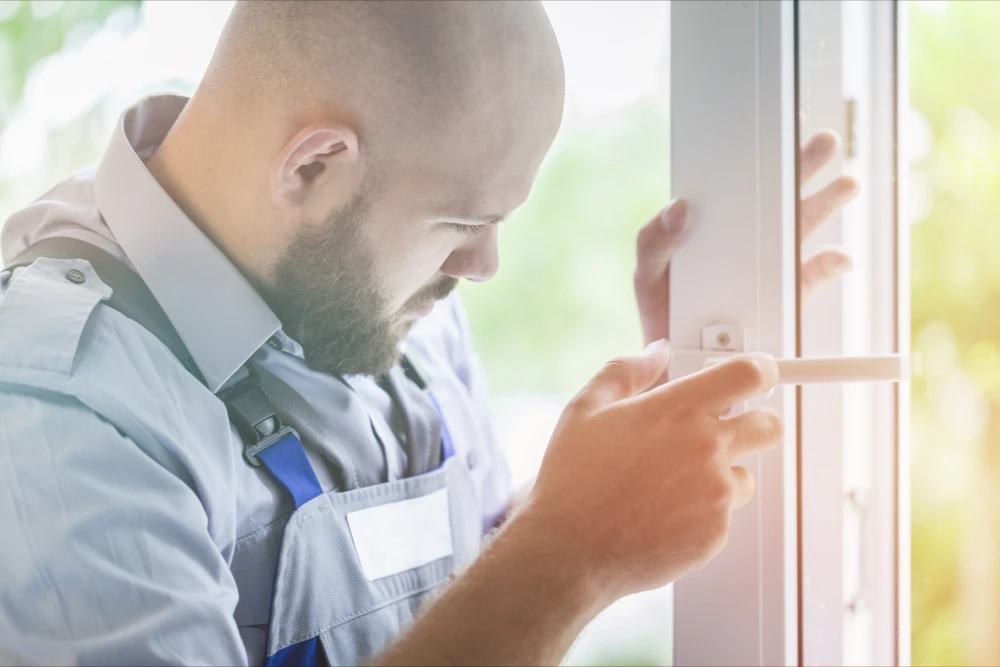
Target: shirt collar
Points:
(217, 313)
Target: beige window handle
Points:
(721, 341)
(884, 368)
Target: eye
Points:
(465, 229)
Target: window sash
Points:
(733, 93)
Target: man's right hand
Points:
(636, 489)
(639, 485)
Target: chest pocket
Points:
(344, 592)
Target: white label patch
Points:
(400, 536)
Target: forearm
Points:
(517, 501)
(519, 603)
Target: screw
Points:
(723, 339)
(75, 277)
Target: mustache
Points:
(433, 292)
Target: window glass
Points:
(561, 304)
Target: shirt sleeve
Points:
(106, 556)
(496, 492)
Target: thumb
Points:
(625, 377)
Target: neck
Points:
(199, 166)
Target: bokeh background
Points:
(561, 304)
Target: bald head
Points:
(391, 68)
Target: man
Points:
(302, 219)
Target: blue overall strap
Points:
(447, 444)
(287, 461)
(304, 654)
(266, 439)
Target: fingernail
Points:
(675, 216)
(841, 262)
(655, 347)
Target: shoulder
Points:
(54, 321)
(44, 311)
(60, 344)
(57, 334)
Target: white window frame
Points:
(734, 127)
(733, 158)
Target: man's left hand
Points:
(659, 239)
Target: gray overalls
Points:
(337, 599)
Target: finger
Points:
(624, 377)
(744, 486)
(822, 268)
(659, 239)
(717, 388)
(653, 299)
(753, 431)
(817, 153)
(817, 208)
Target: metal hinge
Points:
(858, 500)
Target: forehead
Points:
(481, 191)
(476, 169)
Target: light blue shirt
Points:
(133, 531)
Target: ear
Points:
(319, 163)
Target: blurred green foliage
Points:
(30, 31)
(561, 304)
(955, 88)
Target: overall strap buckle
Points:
(253, 415)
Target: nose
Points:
(477, 261)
